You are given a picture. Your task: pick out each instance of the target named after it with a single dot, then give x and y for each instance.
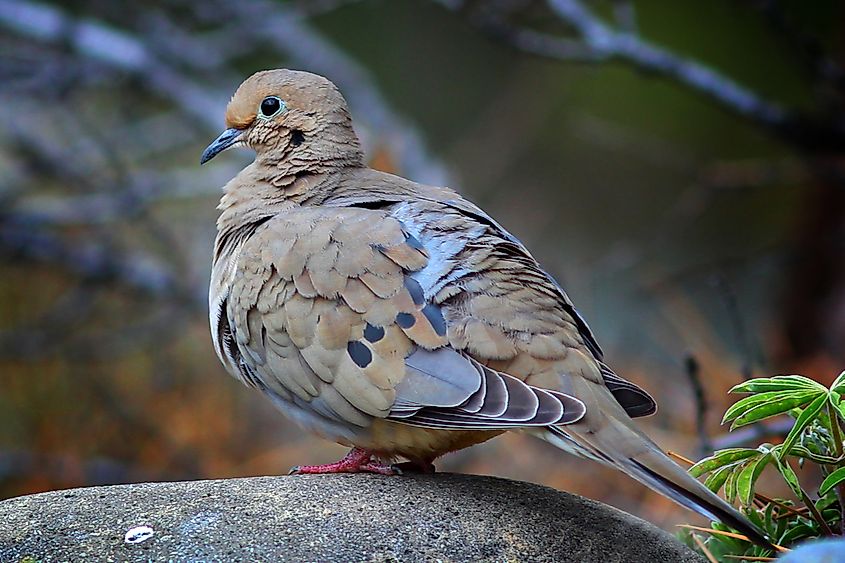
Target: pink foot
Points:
(356, 461)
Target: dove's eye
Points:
(270, 106)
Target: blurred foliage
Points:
(689, 233)
(816, 438)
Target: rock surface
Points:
(441, 517)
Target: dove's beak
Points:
(226, 140)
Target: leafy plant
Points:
(815, 438)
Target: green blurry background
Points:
(693, 239)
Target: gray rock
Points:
(442, 517)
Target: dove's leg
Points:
(356, 461)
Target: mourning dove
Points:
(400, 319)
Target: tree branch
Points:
(597, 41)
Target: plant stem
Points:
(808, 502)
(835, 431)
(836, 435)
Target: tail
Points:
(616, 442)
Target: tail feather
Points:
(622, 446)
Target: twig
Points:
(728, 534)
(692, 370)
(680, 457)
(811, 506)
(704, 549)
(737, 322)
(788, 509)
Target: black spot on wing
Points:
(373, 333)
(415, 289)
(435, 317)
(371, 204)
(359, 353)
(410, 239)
(405, 320)
(413, 242)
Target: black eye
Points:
(270, 106)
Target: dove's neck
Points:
(260, 192)
(331, 146)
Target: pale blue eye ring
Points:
(271, 106)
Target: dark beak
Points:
(226, 139)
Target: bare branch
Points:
(115, 49)
(609, 43)
(598, 41)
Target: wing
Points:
(526, 302)
(504, 309)
(325, 313)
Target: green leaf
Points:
(768, 518)
(730, 487)
(748, 476)
(736, 545)
(831, 516)
(788, 475)
(720, 458)
(782, 524)
(756, 518)
(839, 383)
(777, 383)
(840, 406)
(831, 481)
(752, 401)
(809, 414)
(826, 502)
(797, 532)
(776, 407)
(837, 398)
(803, 452)
(716, 479)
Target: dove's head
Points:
(286, 115)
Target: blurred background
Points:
(677, 165)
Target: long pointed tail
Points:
(619, 444)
